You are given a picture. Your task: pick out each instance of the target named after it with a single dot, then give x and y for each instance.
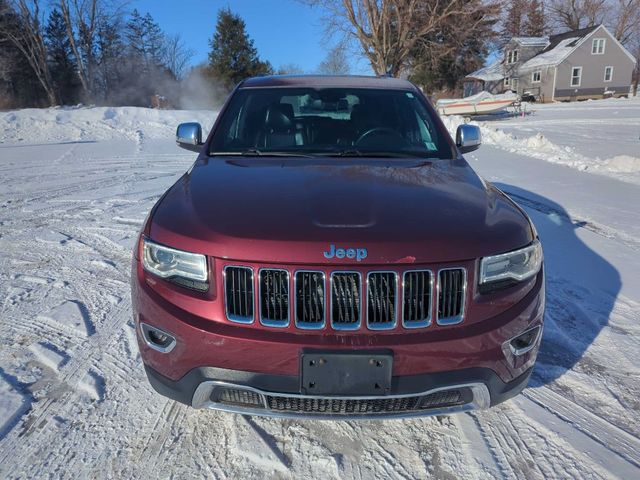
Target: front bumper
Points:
(278, 395)
(428, 366)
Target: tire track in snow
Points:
(70, 375)
(599, 430)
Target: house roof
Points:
(555, 40)
(490, 73)
(552, 56)
(560, 47)
(556, 49)
(531, 41)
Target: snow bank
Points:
(95, 123)
(624, 167)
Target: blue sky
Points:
(283, 31)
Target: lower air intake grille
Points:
(339, 406)
(441, 399)
(345, 300)
(309, 299)
(416, 310)
(274, 297)
(239, 294)
(238, 396)
(381, 300)
(450, 295)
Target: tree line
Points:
(94, 51)
(84, 51)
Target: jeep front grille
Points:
(416, 308)
(381, 300)
(339, 298)
(239, 293)
(274, 297)
(345, 300)
(451, 285)
(310, 300)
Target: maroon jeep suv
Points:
(330, 253)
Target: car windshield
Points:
(331, 122)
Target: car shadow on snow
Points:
(581, 289)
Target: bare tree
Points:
(335, 63)
(177, 55)
(625, 21)
(81, 18)
(625, 24)
(389, 30)
(577, 14)
(289, 69)
(29, 40)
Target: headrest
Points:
(361, 113)
(279, 116)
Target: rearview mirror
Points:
(468, 138)
(189, 136)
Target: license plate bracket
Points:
(342, 374)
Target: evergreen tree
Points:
(233, 57)
(441, 62)
(61, 61)
(144, 69)
(534, 25)
(513, 25)
(111, 60)
(154, 41)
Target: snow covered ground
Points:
(75, 185)
(595, 136)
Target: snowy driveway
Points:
(74, 401)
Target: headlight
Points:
(170, 263)
(518, 265)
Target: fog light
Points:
(157, 339)
(524, 342)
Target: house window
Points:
(597, 46)
(512, 56)
(608, 74)
(576, 76)
(506, 81)
(536, 76)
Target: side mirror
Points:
(468, 138)
(189, 136)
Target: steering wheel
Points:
(377, 131)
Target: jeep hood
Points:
(291, 210)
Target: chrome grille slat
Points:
(451, 295)
(239, 293)
(417, 298)
(310, 299)
(381, 300)
(274, 297)
(345, 300)
(384, 295)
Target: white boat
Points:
(478, 104)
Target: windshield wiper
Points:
(254, 152)
(350, 152)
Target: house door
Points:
(514, 84)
